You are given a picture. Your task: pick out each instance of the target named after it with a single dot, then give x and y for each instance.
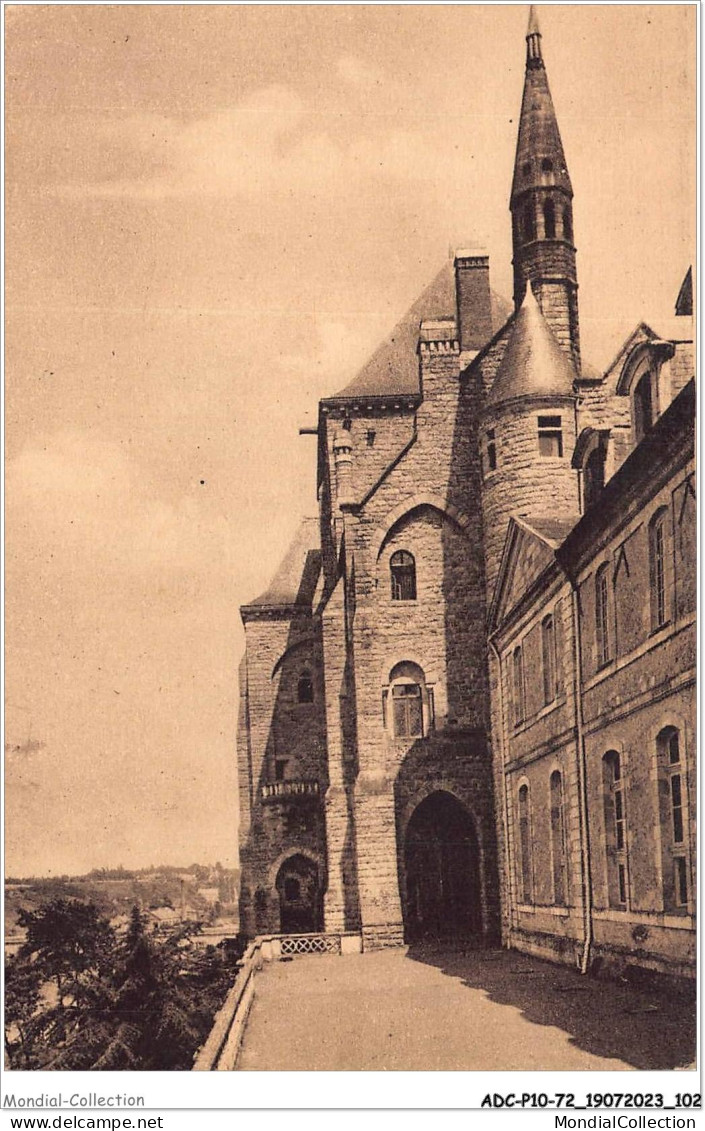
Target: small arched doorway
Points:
(441, 862)
(299, 896)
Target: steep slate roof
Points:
(294, 583)
(393, 369)
(534, 365)
(551, 530)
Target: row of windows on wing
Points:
(658, 590)
(549, 442)
(672, 808)
(549, 670)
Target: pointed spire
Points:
(533, 40)
(539, 146)
(533, 28)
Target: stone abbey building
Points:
(468, 695)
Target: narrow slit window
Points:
(558, 852)
(657, 574)
(305, 688)
(525, 861)
(548, 650)
(518, 686)
(550, 436)
(602, 609)
(491, 450)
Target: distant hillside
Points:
(197, 891)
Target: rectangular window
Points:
(550, 436)
(280, 769)
(680, 881)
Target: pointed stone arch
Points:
(412, 503)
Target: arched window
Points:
(408, 710)
(567, 225)
(409, 701)
(657, 569)
(643, 407)
(549, 220)
(304, 688)
(547, 165)
(602, 615)
(402, 568)
(593, 477)
(672, 786)
(529, 221)
(614, 795)
(558, 846)
(525, 860)
(548, 658)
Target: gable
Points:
(528, 552)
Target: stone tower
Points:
(542, 206)
(528, 434)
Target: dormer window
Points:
(643, 403)
(550, 436)
(593, 477)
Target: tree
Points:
(69, 943)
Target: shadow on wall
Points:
(650, 1030)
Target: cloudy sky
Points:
(213, 214)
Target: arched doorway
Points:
(441, 862)
(299, 896)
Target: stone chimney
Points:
(474, 305)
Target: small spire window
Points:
(547, 165)
(549, 220)
(402, 568)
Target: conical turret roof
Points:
(540, 159)
(534, 365)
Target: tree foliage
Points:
(80, 997)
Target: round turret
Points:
(528, 431)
